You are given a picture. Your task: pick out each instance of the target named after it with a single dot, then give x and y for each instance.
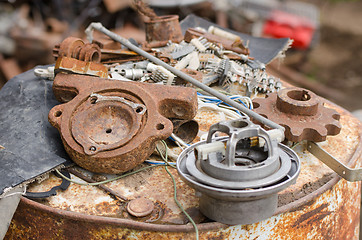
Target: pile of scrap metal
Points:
(120, 98)
(109, 120)
(124, 102)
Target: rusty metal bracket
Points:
(112, 126)
(349, 174)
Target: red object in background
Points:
(285, 25)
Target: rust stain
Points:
(313, 216)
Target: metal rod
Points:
(129, 45)
(101, 186)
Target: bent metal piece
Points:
(350, 174)
(112, 126)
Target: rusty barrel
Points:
(320, 205)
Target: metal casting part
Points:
(238, 185)
(301, 112)
(128, 44)
(112, 126)
(70, 47)
(350, 174)
(139, 108)
(162, 29)
(73, 47)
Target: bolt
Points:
(140, 207)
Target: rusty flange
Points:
(112, 126)
(73, 47)
(301, 112)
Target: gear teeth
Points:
(300, 127)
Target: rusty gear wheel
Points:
(301, 112)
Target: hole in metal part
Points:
(92, 148)
(299, 95)
(160, 126)
(95, 57)
(58, 113)
(93, 99)
(139, 109)
(108, 130)
(239, 124)
(256, 105)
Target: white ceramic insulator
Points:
(236, 68)
(196, 42)
(151, 67)
(194, 62)
(169, 75)
(204, 150)
(221, 33)
(132, 73)
(183, 62)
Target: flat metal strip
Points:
(350, 174)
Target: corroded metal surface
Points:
(162, 29)
(72, 65)
(140, 207)
(333, 215)
(301, 112)
(115, 135)
(73, 47)
(318, 206)
(69, 47)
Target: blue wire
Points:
(156, 163)
(218, 101)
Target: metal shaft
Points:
(129, 45)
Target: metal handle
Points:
(350, 174)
